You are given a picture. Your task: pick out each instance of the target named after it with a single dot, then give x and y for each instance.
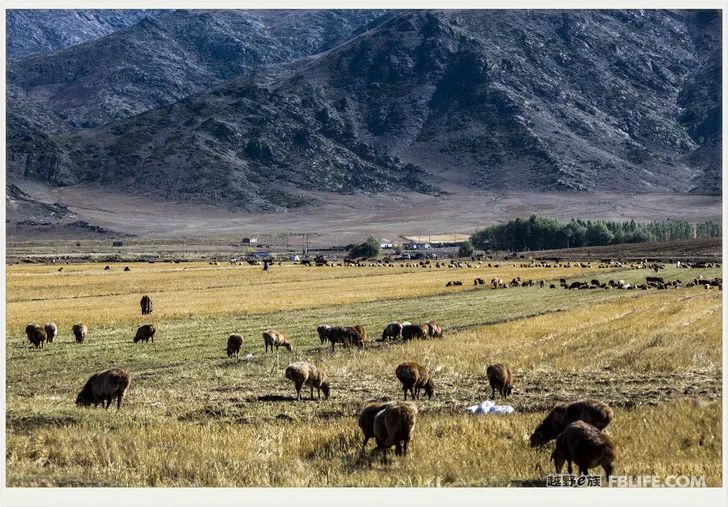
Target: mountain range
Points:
(251, 110)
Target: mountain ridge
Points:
(548, 100)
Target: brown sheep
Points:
(104, 386)
(146, 304)
(234, 342)
(323, 331)
(415, 377)
(145, 333)
(80, 331)
(272, 337)
(51, 331)
(366, 418)
(500, 379)
(360, 336)
(36, 335)
(594, 412)
(434, 329)
(126, 268)
(392, 330)
(306, 373)
(394, 426)
(415, 331)
(585, 445)
(345, 336)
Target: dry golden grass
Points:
(675, 438)
(646, 333)
(112, 298)
(196, 418)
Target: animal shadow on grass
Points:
(352, 459)
(27, 424)
(279, 397)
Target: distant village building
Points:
(386, 244)
(117, 243)
(249, 241)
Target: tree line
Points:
(537, 233)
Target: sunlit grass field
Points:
(193, 417)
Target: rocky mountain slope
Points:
(621, 101)
(165, 58)
(43, 31)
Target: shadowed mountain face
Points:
(623, 101)
(165, 58)
(42, 31)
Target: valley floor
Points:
(336, 218)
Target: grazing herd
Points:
(651, 282)
(578, 428)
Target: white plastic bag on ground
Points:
(488, 407)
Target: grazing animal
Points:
(392, 330)
(366, 418)
(434, 329)
(36, 335)
(394, 425)
(414, 378)
(234, 342)
(341, 335)
(80, 331)
(126, 268)
(359, 336)
(51, 331)
(345, 336)
(323, 330)
(272, 337)
(107, 268)
(415, 331)
(145, 333)
(594, 412)
(500, 379)
(146, 304)
(303, 373)
(102, 387)
(585, 445)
